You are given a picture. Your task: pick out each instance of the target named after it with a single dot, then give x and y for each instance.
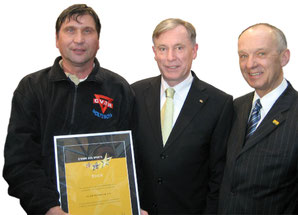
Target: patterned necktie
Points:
(167, 115)
(254, 119)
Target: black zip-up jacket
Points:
(46, 103)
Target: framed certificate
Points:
(96, 174)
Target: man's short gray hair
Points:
(171, 23)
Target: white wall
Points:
(27, 42)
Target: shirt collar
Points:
(180, 89)
(269, 99)
(68, 74)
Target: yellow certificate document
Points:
(96, 174)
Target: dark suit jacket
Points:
(261, 177)
(184, 176)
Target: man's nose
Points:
(79, 38)
(171, 55)
(251, 62)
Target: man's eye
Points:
(70, 30)
(242, 56)
(261, 54)
(87, 31)
(162, 49)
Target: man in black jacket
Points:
(61, 100)
(179, 169)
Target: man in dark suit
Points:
(261, 174)
(179, 166)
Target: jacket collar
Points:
(57, 74)
(195, 100)
(152, 101)
(275, 117)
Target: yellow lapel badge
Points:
(275, 122)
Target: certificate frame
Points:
(96, 173)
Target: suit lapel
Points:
(152, 103)
(194, 101)
(242, 112)
(274, 118)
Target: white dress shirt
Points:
(269, 99)
(181, 92)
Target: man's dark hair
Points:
(75, 11)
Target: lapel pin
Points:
(275, 122)
(201, 101)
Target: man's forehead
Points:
(78, 18)
(258, 32)
(171, 41)
(261, 35)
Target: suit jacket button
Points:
(159, 180)
(163, 156)
(233, 193)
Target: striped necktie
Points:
(254, 119)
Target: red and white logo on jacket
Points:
(104, 103)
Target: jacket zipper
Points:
(73, 108)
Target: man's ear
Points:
(285, 57)
(56, 36)
(154, 51)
